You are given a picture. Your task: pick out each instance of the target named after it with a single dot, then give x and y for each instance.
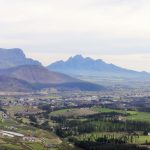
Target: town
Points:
(36, 119)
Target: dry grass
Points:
(74, 112)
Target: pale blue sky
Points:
(117, 31)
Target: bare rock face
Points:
(14, 57)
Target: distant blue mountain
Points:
(78, 65)
(18, 73)
(14, 57)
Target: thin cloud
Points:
(100, 27)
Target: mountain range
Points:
(18, 73)
(95, 70)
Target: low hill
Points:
(38, 77)
(37, 74)
(14, 85)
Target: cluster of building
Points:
(11, 134)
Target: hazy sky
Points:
(117, 31)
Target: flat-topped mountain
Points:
(14, 57)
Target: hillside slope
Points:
(14, 85)
(37, 74)
(19, 73)
(38, 77)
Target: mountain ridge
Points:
(14, 57)
(78, 61)
(87, 67)
(20, 73)
(36, 74)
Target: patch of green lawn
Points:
(132, 115)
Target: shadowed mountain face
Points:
(14, 57)
(10, 84)
(37, 74)
(28, 78)
(18, 73)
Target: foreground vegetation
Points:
(75, 128)
(103, 127)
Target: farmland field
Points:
(132, 115)
(73, 112)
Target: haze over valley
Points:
(74, 75)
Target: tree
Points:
(32, 118)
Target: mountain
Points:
(37, 74)
(31, 78)
(14, 57)
(81, 85)
(18, 73)
(10, 84)
(95, 70)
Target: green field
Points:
(59, 112)
(132, 115)
(82, 116)
(136, 139)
